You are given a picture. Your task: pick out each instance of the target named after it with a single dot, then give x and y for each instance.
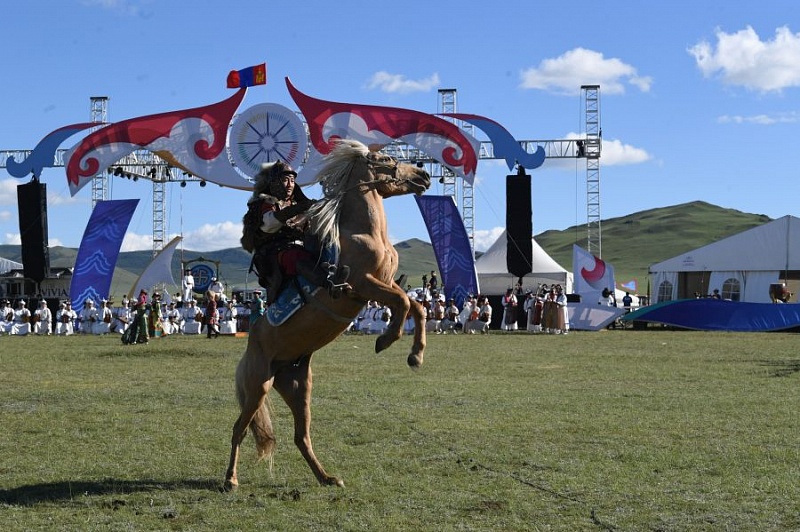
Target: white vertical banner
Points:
(590, 274)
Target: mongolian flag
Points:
(254, 75)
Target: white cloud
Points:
(763, 120)
(134, 242)
(743, 59)
(613, 153)
(8, 194)
(209, 237)
(485, 238)
(14, 239)
(8, 191)
(397, 83)
(5, 216)
(123, 7)
(566, 73)
(55, 198)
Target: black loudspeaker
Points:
(519, 224)
(32, 202)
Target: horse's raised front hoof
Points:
(230, 485)
(415, 360)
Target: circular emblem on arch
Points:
(265, 133)
(202, 274)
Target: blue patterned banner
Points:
(97, 256)
(451, 246)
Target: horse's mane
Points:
(334, 177)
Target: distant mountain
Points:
(630, 243)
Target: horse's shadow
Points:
(33, 494)
(783, 368)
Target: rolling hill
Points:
(630, 243)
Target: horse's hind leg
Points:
(293, 382)
(251, 390)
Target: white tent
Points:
(7, 265)
(742, 267)
(494, 279)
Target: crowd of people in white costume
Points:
(105, 318)
(543, 310)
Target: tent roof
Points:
(8, 265)
(494, 260)
(773, 246)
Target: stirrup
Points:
(336, 275)
(336, 281)
(341, 275)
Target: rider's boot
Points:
(325, 275)
(273, 285)
(313, 272)
(339, 274)
(269, 275)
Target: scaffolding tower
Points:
(448, 103)
(99, 115)
(592, 148)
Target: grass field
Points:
(617, 430)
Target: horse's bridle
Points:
(388, 177)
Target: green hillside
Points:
(630, 243)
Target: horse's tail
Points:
(261, 424)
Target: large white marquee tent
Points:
(742, 267)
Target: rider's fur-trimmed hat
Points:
(268, 180)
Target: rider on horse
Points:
(276, 231)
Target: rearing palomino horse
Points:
(354, 182)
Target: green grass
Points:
(617, 430)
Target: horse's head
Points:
(391, 178)
(352, 171)
(352, 166)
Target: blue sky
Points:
(699, 100)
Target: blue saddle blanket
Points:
(290, 301)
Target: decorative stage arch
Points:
(191, 139)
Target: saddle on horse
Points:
(323, 274)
